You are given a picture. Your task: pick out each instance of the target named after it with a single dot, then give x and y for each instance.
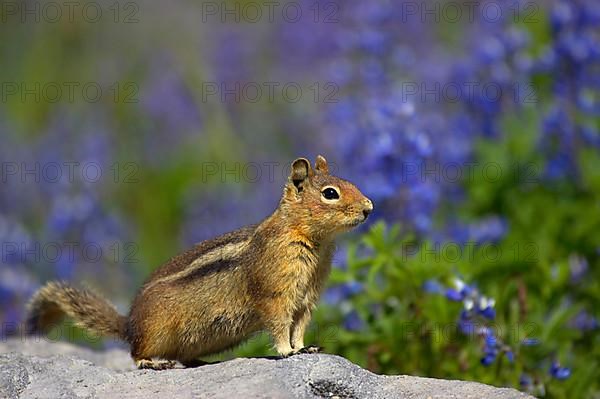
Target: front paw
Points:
(287, 352)
(311, 349)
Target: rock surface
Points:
(35, 368)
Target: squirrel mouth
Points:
(356, 222)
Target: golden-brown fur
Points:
(89, 310)
(212, 297)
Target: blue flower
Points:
(465, 323)
(561, 15)
(373, 41)
(488, 359)
(65, 267)
(340, 292)
(491, 341)
(353, 322)
(525, 380)
(558, 372)
(490, 348)
(433, 287)
(489, 313)
(578, 267)
(352, 288)
(333, 295)
(5, 293)
(453, 295)
(590, 135)
(466, 290)
(488, 229)
(510, 355)
(585, 322)
(491, 50)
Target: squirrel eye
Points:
(330, 193)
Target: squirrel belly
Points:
(214, 296)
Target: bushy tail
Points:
(90, 311)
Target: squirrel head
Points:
(322, 204)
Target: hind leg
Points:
(151, 358)
(154, 364)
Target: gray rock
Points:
(36, 368)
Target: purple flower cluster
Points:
(478, 310)
(571, 58)
(559, 372)
(413, 135)
(493, 346)
(474, 303)
(339, 295)
(377, 73)
(584, 321)
(50, 211)
(535, 384)
(475, 320)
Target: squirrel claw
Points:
(306, 349)
(311, 349)
(155, 364)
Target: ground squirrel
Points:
(267, 276)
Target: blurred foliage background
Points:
(130, 130)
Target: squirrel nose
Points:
(368, 208)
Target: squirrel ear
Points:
(301, 170)
(321, 165)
